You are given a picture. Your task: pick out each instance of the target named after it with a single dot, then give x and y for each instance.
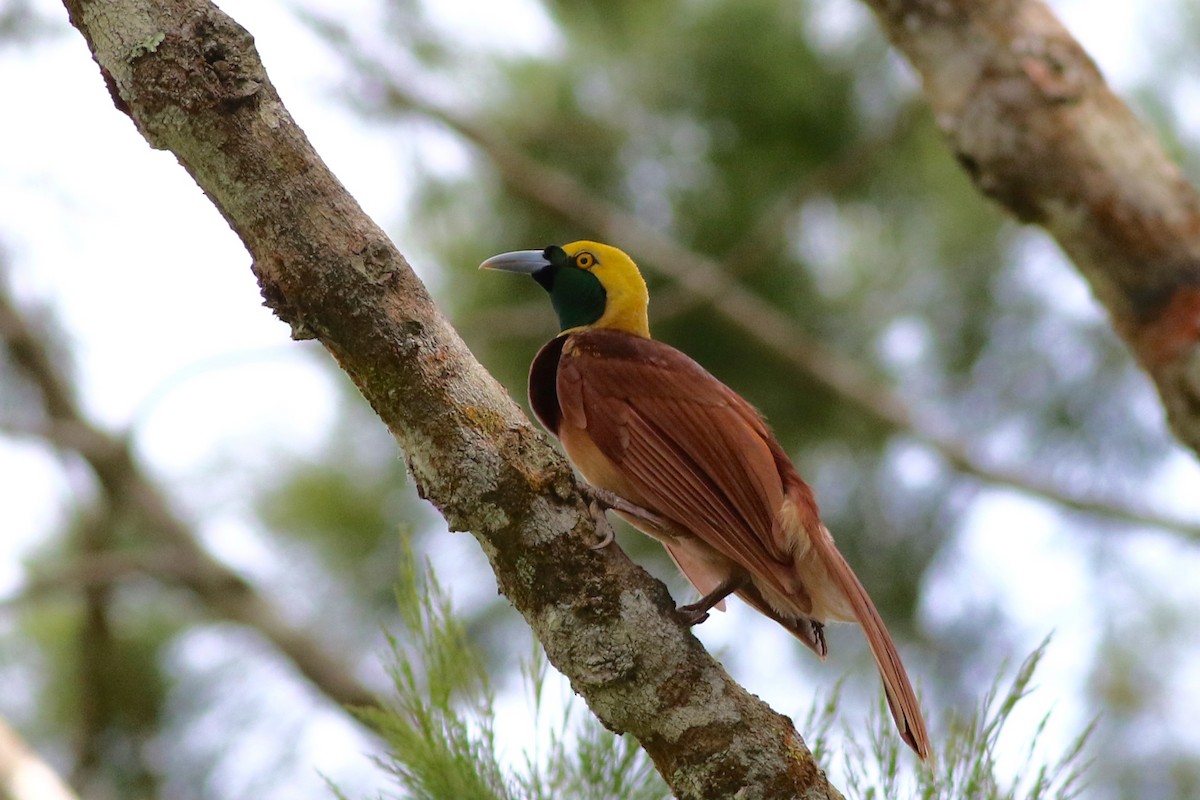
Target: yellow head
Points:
(591, 285)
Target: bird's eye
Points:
(585, 261)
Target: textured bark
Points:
(1031, 119)
(190, 79)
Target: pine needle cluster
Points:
(440, 726)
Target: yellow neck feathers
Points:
(626, 297)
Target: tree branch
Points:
(1029, 116)
(192, 82)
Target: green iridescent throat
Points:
(577, 295)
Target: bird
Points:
(686, 460)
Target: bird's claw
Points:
(607, 499)
(692, 614)
(602, 524)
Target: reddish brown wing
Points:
(670, 437)
(691, 448)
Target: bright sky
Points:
(165, 320)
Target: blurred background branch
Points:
(131, 498)
(1032, 120)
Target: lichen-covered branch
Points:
(190, 79)
(1030, 117)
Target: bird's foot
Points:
(607, 499)
(600, 500)
(602, 525)
(697, 612)
(693, 613)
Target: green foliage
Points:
(969, 763)
(582, 760)
(440, 724)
